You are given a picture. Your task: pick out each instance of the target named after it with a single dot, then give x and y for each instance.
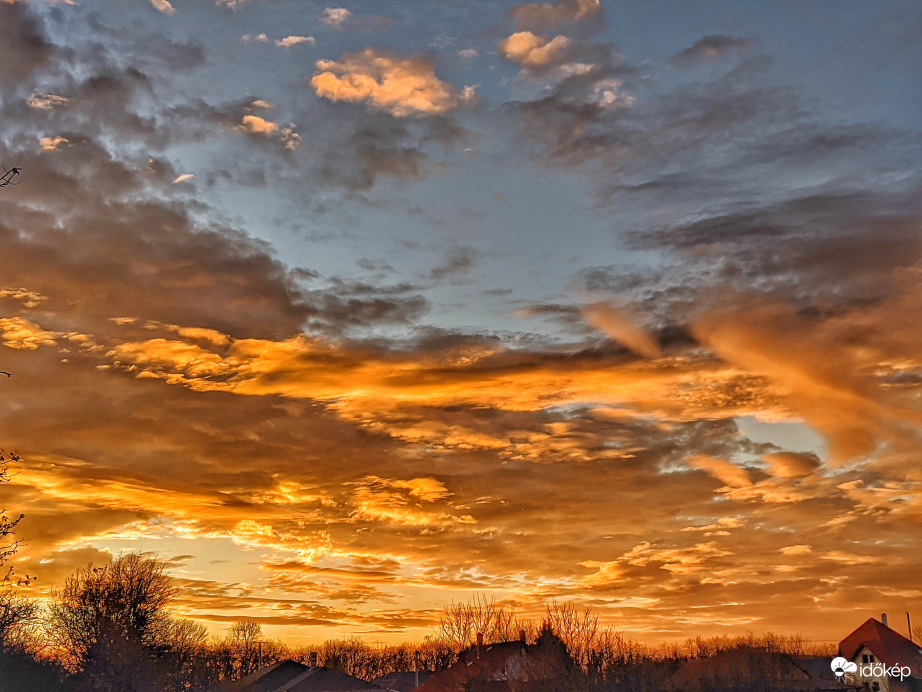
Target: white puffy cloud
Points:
(335, 16)
(290, 41)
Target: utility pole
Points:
(259, 654)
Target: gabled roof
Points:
(324, 680)
(291, 676)
(890, 647)
(266, 679)
(490, 665)
(401, 681)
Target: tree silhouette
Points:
(113, 624)
(17, 615)
(8, 544)
(460, 623)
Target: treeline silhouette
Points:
(115, 628)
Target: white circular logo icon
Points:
(840, 666)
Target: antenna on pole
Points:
(12, 176)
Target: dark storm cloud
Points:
(845, 247)
(348, 305)
(150, 260)
(149, 49)
(569, 316)
(710, 48)
(573, 126)
(584, 14)
(26, 49)
(459, 262)
(358, 151)
(94, 91)
(116, 102)
(379, 151)
(142, 260)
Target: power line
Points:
(9, 176)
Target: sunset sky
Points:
(349, 311)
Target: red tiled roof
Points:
(890, 647)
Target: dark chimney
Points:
(909, 625)
(883, 619)
(479, 643)
(522, 636)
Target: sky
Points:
(351, 311)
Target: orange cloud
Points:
(791, 465)
(618, 324)
(258, 126)
(544, 16)
(163, 6)
(831, 387)
(20, 333)
(533, 51)
(730, 474)
(51, 144)
(541, 16)
(401, 86)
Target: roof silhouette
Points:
(745, 666)
(266, 679)
(291, 676)
(401, 681)
(492, 665)
(889, 646)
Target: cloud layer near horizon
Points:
(684, 443)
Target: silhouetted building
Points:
(404, 681)
(877, 649)
(291, 676)
(507, 667)
(747, 668)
